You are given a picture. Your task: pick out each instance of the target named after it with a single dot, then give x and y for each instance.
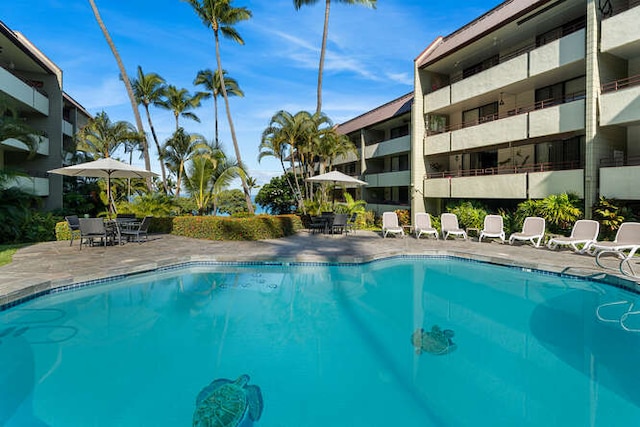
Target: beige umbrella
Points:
(105, 168)
(337, 177)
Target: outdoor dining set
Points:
(332, 223)
(108, 231)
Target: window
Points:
(399, 131)
(479, 115)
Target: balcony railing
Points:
(547, 103)
(37, 85)
(620, 84)
(613, 11)
(630, 161)
(521, 51)
(536, 167)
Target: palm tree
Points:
(180, 102)
(127, 84)
(178, 149)
(252, 183)
(221, 16)
(298, 4)
(149, 89)
(210, 172)
(293, 132)
(101, 137)
(210, 80)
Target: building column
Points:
(593, 144)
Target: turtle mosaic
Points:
(224, 403)
(435, 341)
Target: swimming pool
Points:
(328, 345)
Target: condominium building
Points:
(533, 98)
(31, 84)
(383, 145)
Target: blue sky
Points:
(369, 59)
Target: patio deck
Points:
(54, 264)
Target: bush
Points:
(258, 227)
(404, 216)
(470, 214)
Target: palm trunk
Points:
(322, 53)
(179, 179)
(215, 109)
(155, 139)
(231, 128)
(127, 84)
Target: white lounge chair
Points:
(584, 232)
(532, 230)
(449, 225)
(423, 225)
(627, 236)
(390, 224)
(493, 227)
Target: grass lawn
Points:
(7, 251)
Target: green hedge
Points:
(216, 228)
(258, 227)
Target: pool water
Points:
(328, 345)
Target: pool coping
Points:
(62, 284)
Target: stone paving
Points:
(53, 264)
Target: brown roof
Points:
(500, 15)
(392, 109)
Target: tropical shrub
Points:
(610, 214)
(470, 214)
(258, 227)
(404, 216)
(277, 197)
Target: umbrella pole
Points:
(109, 196)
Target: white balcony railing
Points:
(24, 93)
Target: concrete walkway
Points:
(53, 264)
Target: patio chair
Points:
(339, 224)
(493, 228)
(627, 236)
(318, 224)
(137, 231)
(352, 222)
(449, 225)
(91, 229)
(584, 232)
(390, 224)
(423, 225)
(532, 230)
(74, 226)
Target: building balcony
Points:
(437, 143)
(491, 80)
(489, 133)
(534, 181)
(561, 52)
(620, 181)
(389, 147)
(525, 62)
(619, 33)
(388, 179)
(566, 117)
(67, 128)
(620, 102)
(43, 147)
(32, 185)
(21, 91)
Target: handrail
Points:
(501, 170)
(621, 8)
(620, 84)
(546, 103)
(630, 161)
(32, 84)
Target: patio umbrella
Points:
(105, 168)
(337, 177)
